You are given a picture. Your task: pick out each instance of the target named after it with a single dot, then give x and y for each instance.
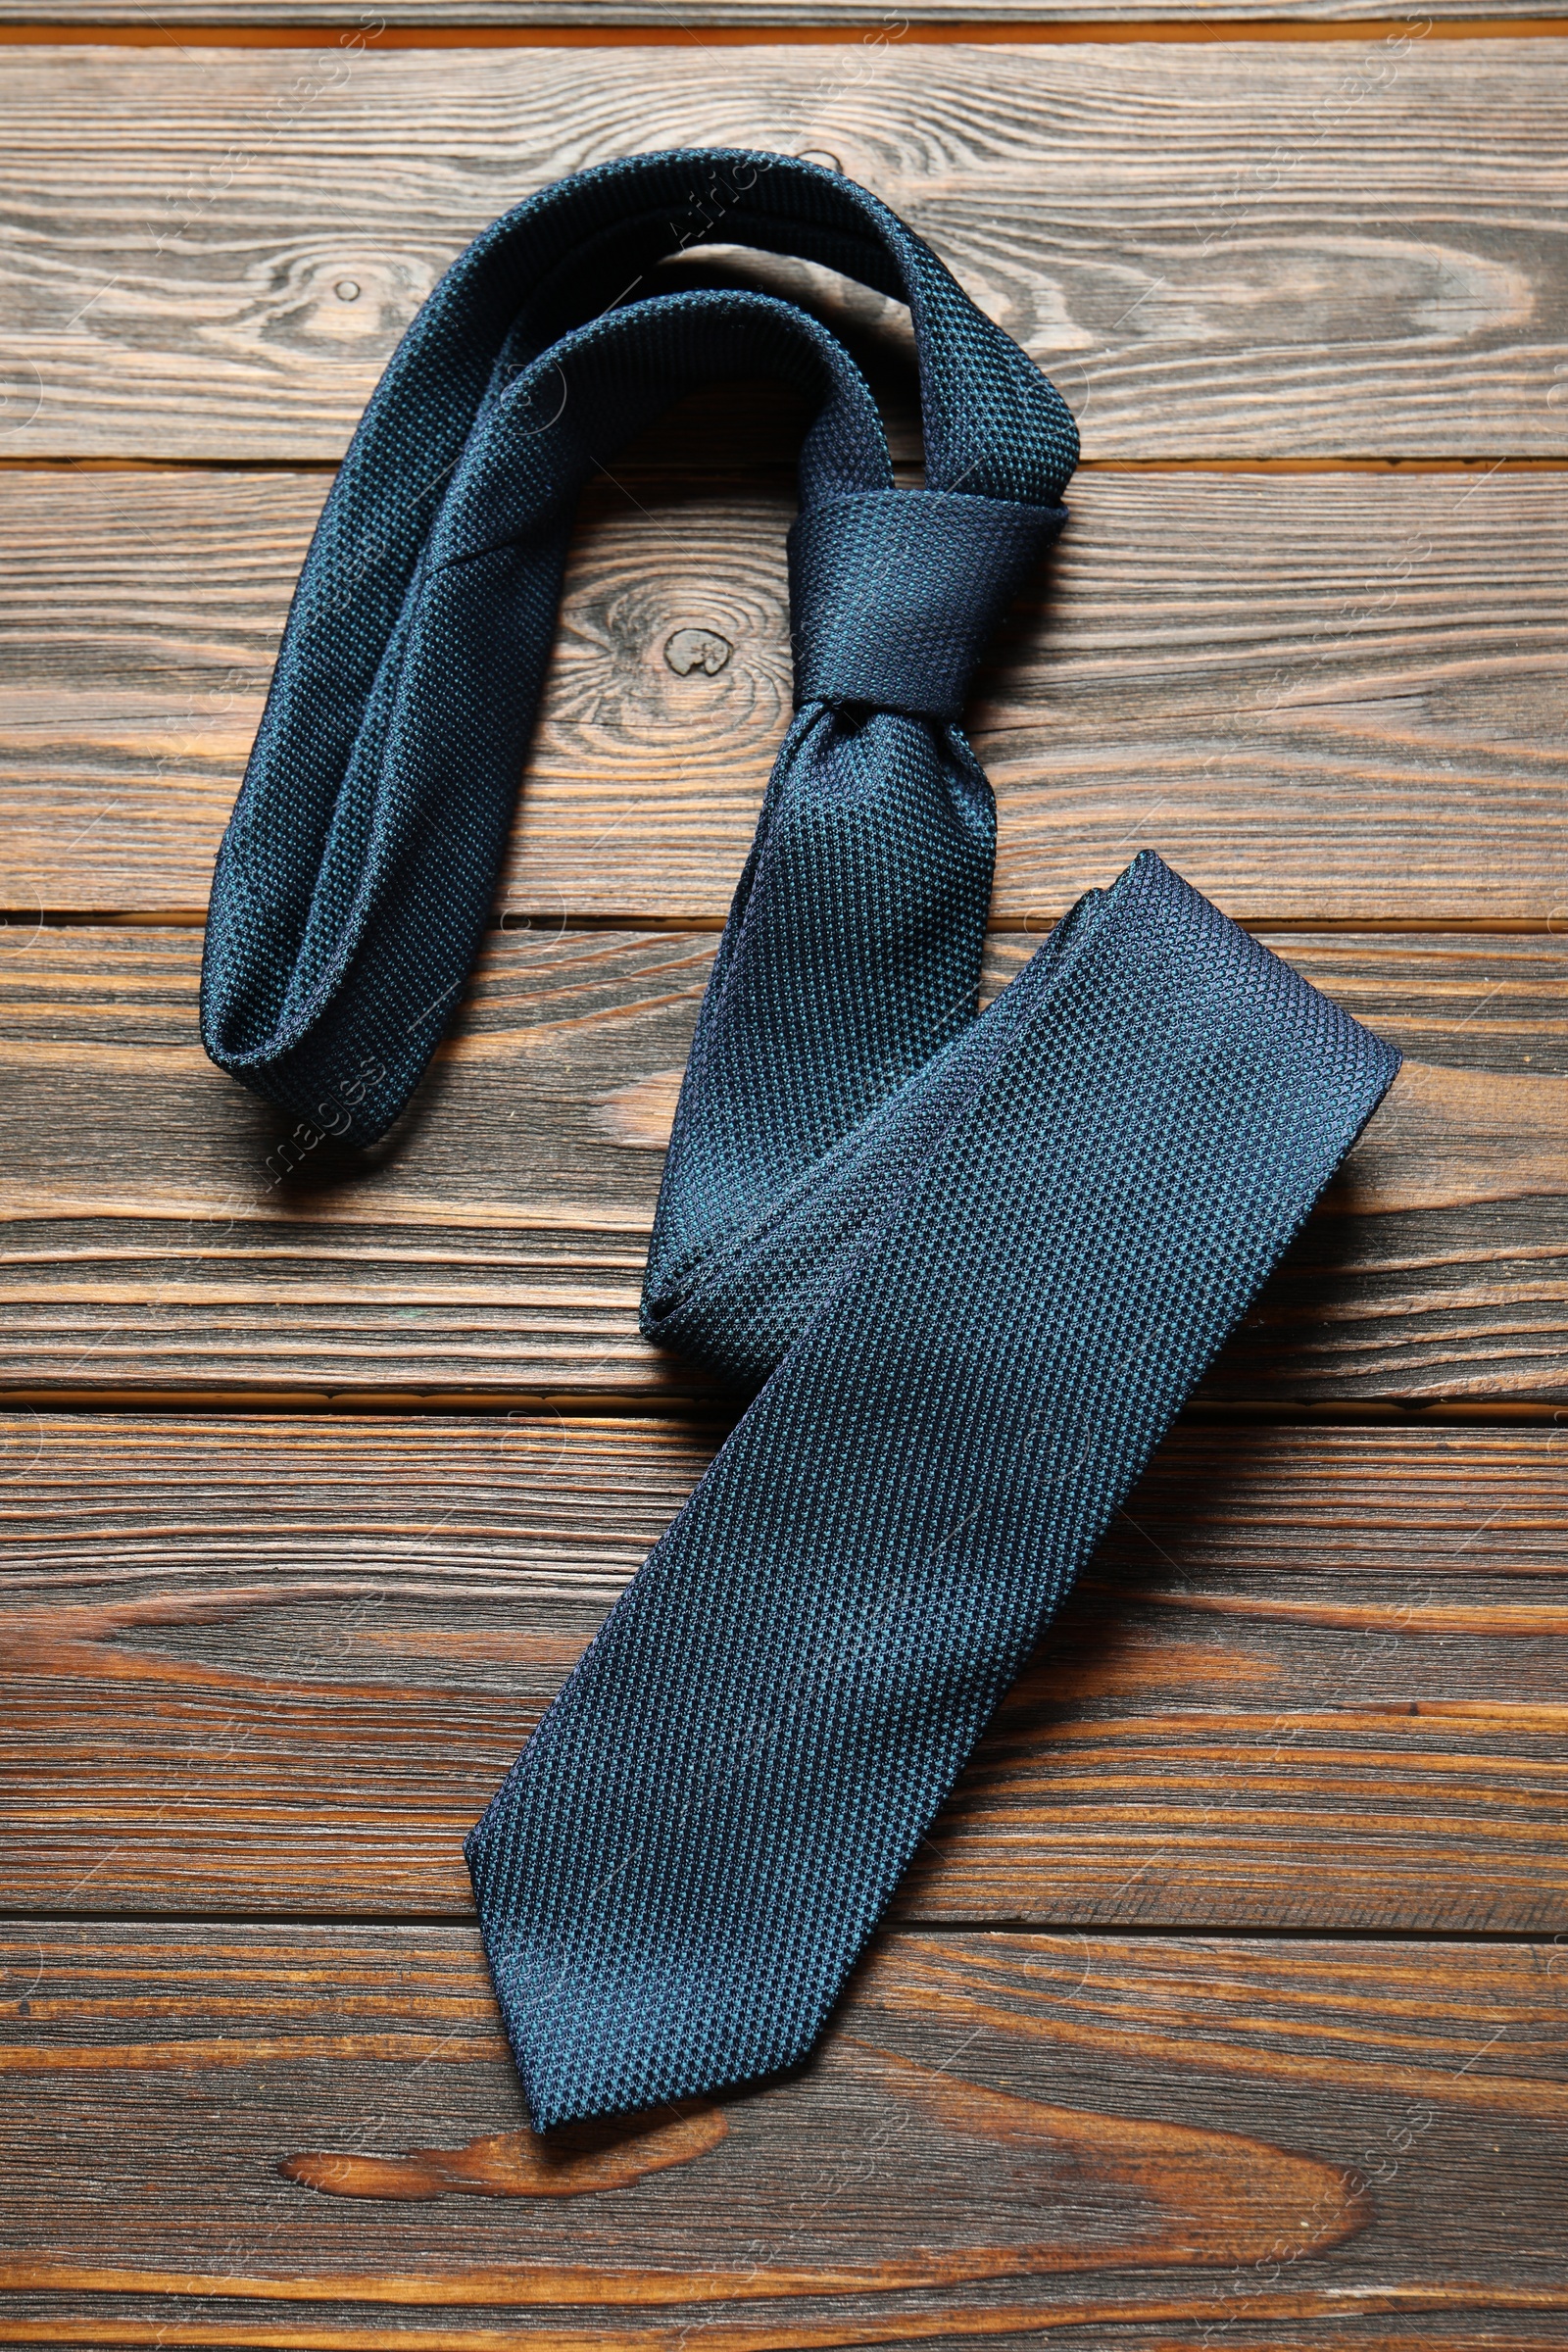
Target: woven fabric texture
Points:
(971, 1264)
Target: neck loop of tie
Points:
(360, 867)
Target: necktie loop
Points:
(359, 867)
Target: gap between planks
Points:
(700, 1412)
(1486, 467)
(112, 34)
(1129, 1932)
(674, 926)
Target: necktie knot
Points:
(895, 594)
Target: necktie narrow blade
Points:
(971, 1263)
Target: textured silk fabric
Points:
(971, 1263)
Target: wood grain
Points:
(1314, 1676)
(1001, 2138)
(165, 1232)
(1243, 248)
(860, 21)
(1316, 695)
(273, 1667)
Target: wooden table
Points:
(1225, 2008)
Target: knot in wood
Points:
(697, 648)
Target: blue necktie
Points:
(971, 1265)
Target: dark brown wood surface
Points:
(165, 1232)
(1004, 2137)
(1278, 1700)
(1243, 248)
(1299, 689)
(1223, 2010)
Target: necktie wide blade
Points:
(971, 1265)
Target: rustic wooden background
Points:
(1225, 2008)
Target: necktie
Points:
(971, 1265)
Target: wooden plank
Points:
(1185, 234)
(164, 1230)
(1319, 696)
(1314, 1677)
(267, 2135)
(589, 22)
